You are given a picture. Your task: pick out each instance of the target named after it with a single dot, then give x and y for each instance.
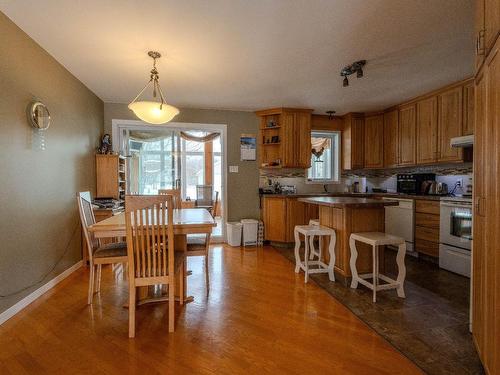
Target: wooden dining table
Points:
(186, 221)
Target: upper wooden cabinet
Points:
(491, 23)
(285, 138)
(374, 141)
(468, 108)
(450, 124)
(487, 28)
(353, 141)
(391, 138)
(407, 134)
(110, 176)
(427, 130)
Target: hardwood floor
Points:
(259, 318)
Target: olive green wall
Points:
(39, 221)
(242, 194)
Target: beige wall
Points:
(243, 197)
(39, 221)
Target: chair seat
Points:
(377, 238)
(196, 243)
(115, 249)
(314, 230)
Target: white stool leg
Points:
(375, 271)
(306, 259)
(311, 248)
(331, 250)
(354, 256)
(400, 260)
(297, 248)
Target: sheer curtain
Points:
(165, 158)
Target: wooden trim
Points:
(209, 160)
(33, 296)
(279, 110)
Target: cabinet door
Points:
(302, 134)
(374, 141)
(353, 142)
(479, 227)
(486, 257)
(468, 116)
(295, 215)
(275, 219)
(427, 130)
(391, 137)
(296, 140)
(491, 23)
(287, 140)
(479, 33)
(407, 135)
(358, 155)
(450, 124)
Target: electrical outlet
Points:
(460, 182)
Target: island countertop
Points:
(351, 202)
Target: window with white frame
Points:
(325, 157)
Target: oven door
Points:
(456, 224)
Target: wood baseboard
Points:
(13, 310)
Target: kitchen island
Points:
(349, 215)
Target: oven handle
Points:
(459, 205)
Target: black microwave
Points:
(411, 183)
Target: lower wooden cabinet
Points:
(281, 214)
(427, 227)
(274, 218)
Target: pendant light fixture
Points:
(153, 112)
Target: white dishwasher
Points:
(400, 220)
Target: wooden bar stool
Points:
(318, 266)
(376, 239)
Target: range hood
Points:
(465, 141)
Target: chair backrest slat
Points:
(204, 195)
(176, 193)
(150, 235)
(87, 218)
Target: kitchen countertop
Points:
(361, 195)
(351, 202)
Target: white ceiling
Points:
(247, 55)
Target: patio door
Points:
(160, 158)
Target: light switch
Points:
(233, 169)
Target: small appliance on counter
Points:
(434, 188)
(288, 189)
(412, 183)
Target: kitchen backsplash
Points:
(385, 179)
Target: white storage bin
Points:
(250, 229)
(233, 231)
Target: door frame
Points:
(117, 125)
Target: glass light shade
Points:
(151, 113)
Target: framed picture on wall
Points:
(248, 144)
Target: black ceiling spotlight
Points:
(355, 67)
(330, 114)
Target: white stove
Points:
(455, 235)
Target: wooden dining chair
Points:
(176, 193)
(111, 253)
(152, 259)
